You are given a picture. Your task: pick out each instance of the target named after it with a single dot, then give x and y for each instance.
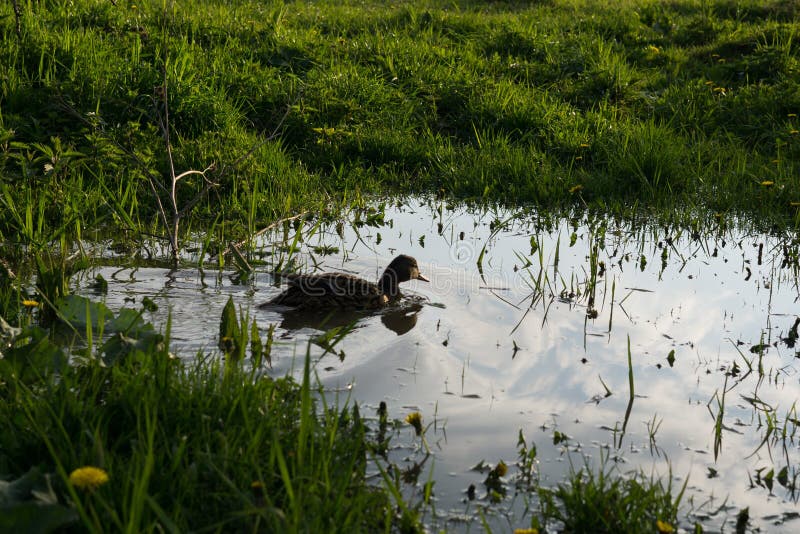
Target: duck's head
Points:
(402, 269)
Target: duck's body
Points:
(330, 290)
(345, 291)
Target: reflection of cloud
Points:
(462, 252)
(703, 301)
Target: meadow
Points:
(137, 121)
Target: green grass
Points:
(680, 105)
(690, 105)
(200, 446)
(607, 501)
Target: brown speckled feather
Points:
(330, 290)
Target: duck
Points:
(345, 291)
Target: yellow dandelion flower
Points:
(793, 132)
(584, 145)
(578, 158)
(526, 531)
(88, 478)
(575, 188)
(792, 115)
(663, 527)
(415, 419)
(767, 183)
(709, 82)
(30, 303)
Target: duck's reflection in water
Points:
(400, 318)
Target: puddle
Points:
(534, 339)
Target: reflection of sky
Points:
(700, 306)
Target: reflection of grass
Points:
(719, 418)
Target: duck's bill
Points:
(420, 277)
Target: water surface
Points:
(525, 326)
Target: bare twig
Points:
(208, 186)
(172, 220)
(155, 185)
(17, 16)
(178, 214)
(163, 121)
(161, 210)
